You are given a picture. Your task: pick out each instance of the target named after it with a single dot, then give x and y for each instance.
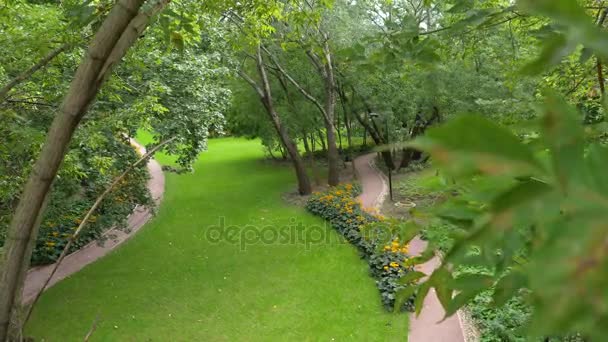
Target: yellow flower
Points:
(386, 268)
(50, 244)
(55, 234)
(394, 264)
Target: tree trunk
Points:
(327, 110)
(322, 140)
(269, 148)
(306, 145)
(265, 94)
(600, 77)
(333, 157)
(345, 110)
(313, 164)
(377, 138)
(600, 73)
(121, 28)
(339, 133)
(406, 158)
(408, 154)
(309, 148)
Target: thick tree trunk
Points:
(327, 110)
(333, 156)
(121, 28)
(265, 94)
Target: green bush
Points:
(74, 193)
(376, 238)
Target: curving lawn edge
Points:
(74, 262)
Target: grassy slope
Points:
(171, 283)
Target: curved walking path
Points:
(37, 276)
(427, 327)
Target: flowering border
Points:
(376, 238)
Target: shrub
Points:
(376, 238)
(74, 193)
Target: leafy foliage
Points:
(542, 233)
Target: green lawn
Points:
(171, 283)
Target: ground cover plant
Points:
(376, 239)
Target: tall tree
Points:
(264, 91)
(120, 30)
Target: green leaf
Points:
(425, 256)
(469, 281)
(586, 53)
(554, 50)
(402, 296)
(461, 6)
(408, 231)
(442, 280)
(508, 286)
(480, 144)
(520, 194)
(597, 164)
(579, 26)
(423, 291)
(411, 277)
(563, 132)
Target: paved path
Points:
(76, 261)
(426, 327)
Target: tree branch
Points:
(29, 72)
(295, 83)
(251, 82)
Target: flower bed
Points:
(376, 238)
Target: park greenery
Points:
(505, 99)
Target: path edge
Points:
(113, 237)
(469, 331)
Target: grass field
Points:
(174, 282)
